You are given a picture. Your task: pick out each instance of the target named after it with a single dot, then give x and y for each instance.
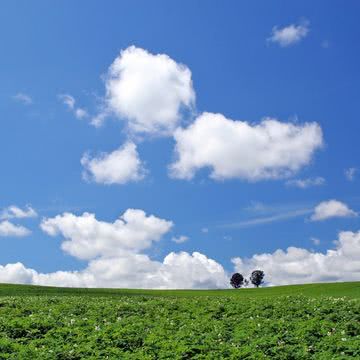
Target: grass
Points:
(349, 289)
(300, 322)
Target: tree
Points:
(257, 277)
(237, 280)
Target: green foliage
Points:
(179, 327)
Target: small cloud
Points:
(325, 44)
(289, 35)
(81, 113)
(23, 98)
(14, 212)
(180, 239)
(350, 173)
(330, 209)
(8, 229)
(205, 230)
(305, 183)
(315, 241)
(70, 102)
(118, 167)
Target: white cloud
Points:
(23, 98)
(148, 91)
(289, 35)
(8, 229)
(315, 241)
(87, 238)
(237, 149)
(332, 208)
(113, 251)
(118, 167)
(184, 270)
(80, 113)
(177, 271)
(16, 274)
(180, 239)
(114, 259)
(268, 219)
(305, 183)
(299, 266)
(70, 102)
(14, 211)
(350, 173)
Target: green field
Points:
(317, 321)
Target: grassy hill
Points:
(349, 289)
(317, 321)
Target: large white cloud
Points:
(330, 209)
(148, 91)
(299, 266)
(289, 35)
(16, 274)
(115, 258)
(178, 270)
(118, 167)
(87, 238)
(184, 270)
(14, 211)
(237, 149)
(8, 229)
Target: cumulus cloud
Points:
(118, 167)
(176, 271)
(115, 258)
(300, 266)
(350, 173)
(70, 102)
(183, 270)
(8, 229)
(14, 211)
(330, 209)
(87, 238)
(180, 239)
(237, 149)
(23, 98)
(148, 91)
(289, 35)
(305, 183)
(16, 274)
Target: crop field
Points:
(319, 321)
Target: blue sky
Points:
(296, 63)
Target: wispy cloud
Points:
(268, 219)
(306, 183)
(350, 173)
(70, 102)
(180, 239)
(23, 98)
(14, 212)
